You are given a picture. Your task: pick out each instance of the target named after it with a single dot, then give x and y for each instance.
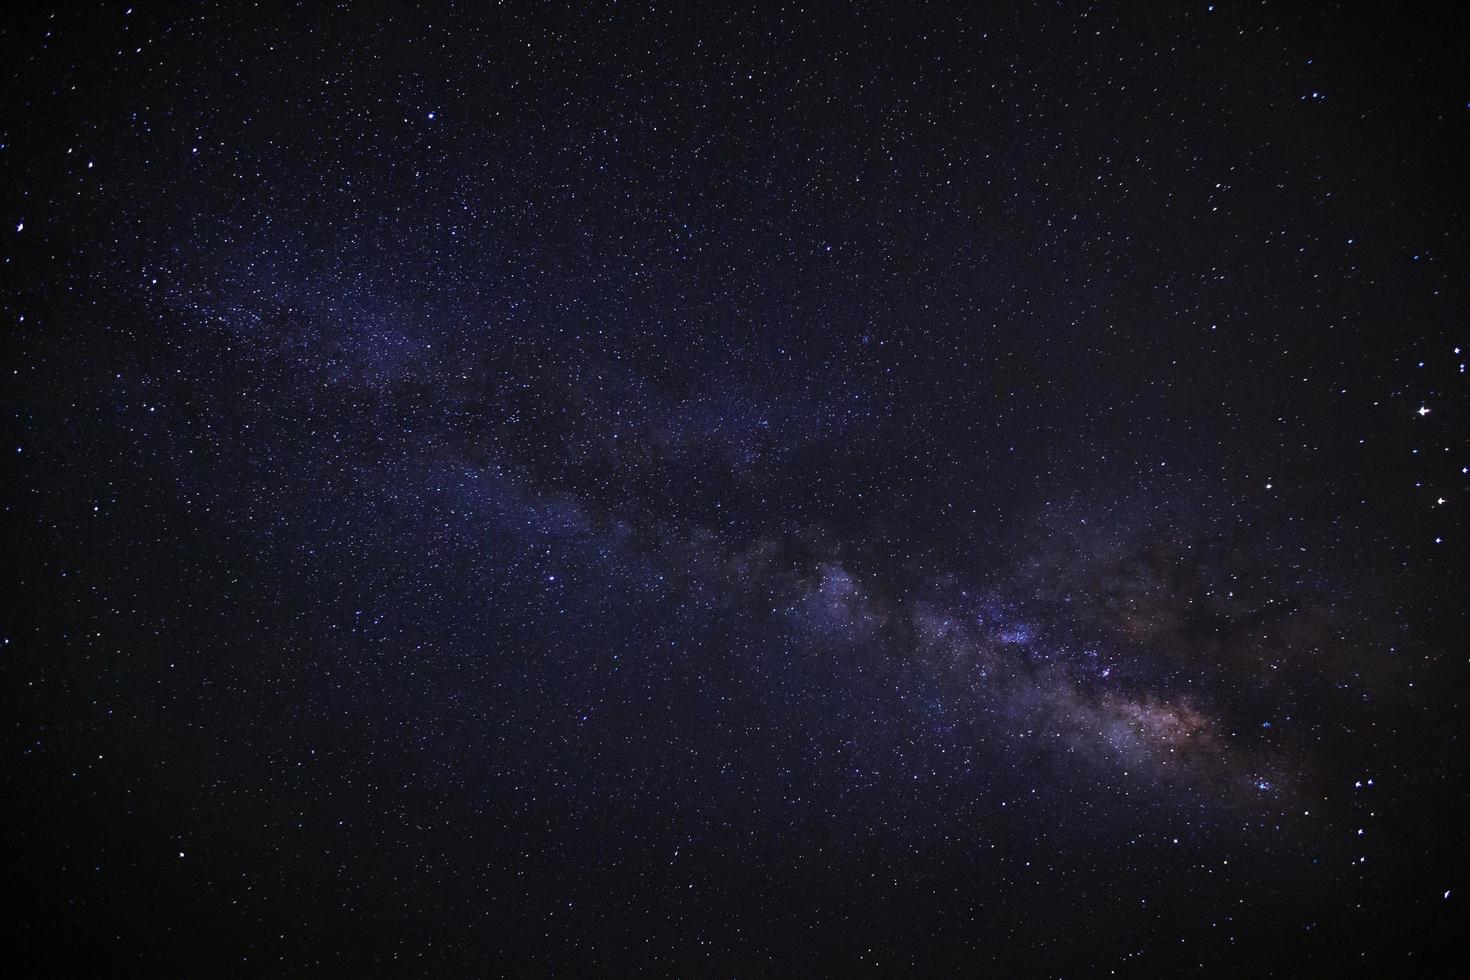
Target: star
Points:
(879, 540)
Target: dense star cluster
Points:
(735, 491)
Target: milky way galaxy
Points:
(893, 491)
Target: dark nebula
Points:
(691, 490)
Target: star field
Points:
(763, 491)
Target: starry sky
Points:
(749, 490)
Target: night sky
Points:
(735, 491)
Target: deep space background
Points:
(717, 490)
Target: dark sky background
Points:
(734, 491)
